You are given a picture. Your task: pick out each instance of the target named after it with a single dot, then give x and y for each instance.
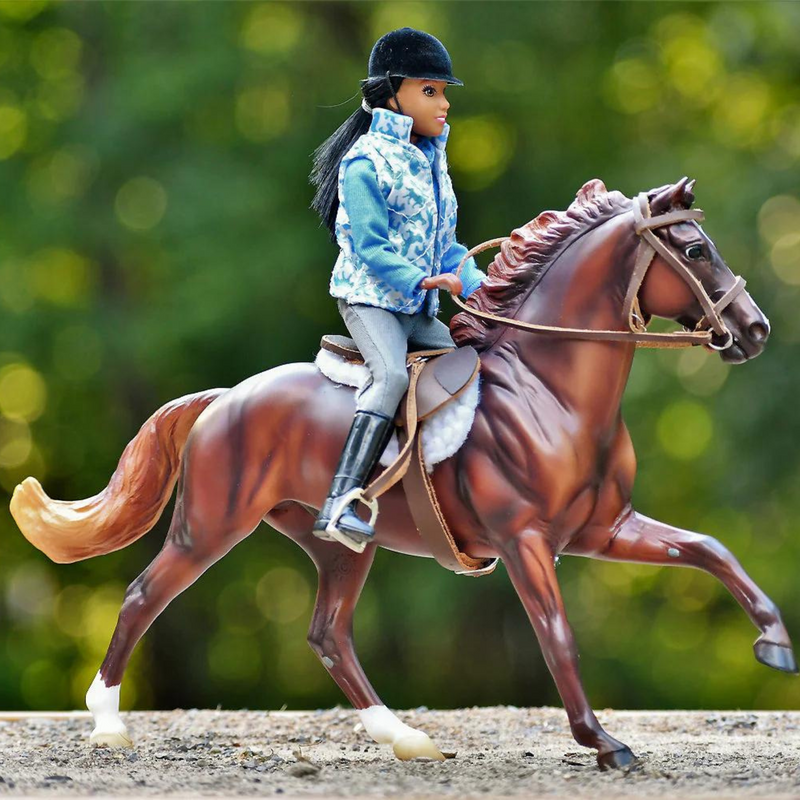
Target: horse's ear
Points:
(688, 194)
(667, 198)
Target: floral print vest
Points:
(416, 225)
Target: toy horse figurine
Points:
(546, 469)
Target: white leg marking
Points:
(407, 742)
(103, 702)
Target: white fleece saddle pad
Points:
(443, 432)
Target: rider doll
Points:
(384, 193)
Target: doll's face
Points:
(424, 101)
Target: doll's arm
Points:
(471, 276)
(369, 224)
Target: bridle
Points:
(649, 245)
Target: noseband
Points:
(649, 245)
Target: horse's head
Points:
(665, 292)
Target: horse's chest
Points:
(543, 476)
(559, 459)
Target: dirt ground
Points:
(500, 752)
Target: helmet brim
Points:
(430, 77)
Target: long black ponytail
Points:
(328, 156)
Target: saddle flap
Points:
(444, 378)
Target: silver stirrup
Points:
(339, 506)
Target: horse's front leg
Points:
(529, 560)
(635, 537)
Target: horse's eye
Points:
(694, 252)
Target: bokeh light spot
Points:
(140, 203)
(685, 429)
(785, 258)
(283, 594)
(271, 28)
(13, 130)
(62, 176)
(30, 592)
(22, 10)
(779, 216)
(740, 116)
(100, 612)
(16, 443)
(33, 464)
(63, 277)
(58, 100)
(23, 392)
(631, 85)
(479, 149)
(692, 62)
(55, 52)
(69, 609)
(700, 372)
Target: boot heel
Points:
(353, 538)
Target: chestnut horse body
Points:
(547, 469)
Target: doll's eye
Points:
(429, 90)
(694, 252)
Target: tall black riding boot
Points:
(367, 439)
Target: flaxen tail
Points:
(67, 530)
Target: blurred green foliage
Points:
(156, 239)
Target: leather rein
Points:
(649, 245)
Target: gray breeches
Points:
(384, 337)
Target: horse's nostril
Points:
(758, 332)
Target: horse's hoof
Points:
(616, 759)
(777, 656)
(416, 745)
(117, 737)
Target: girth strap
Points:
(431, 523)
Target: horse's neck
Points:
(583, 288)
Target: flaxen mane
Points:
(524, 257)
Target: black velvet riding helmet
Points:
(409, 53)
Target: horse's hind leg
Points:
(342, 574)
(172, 571)
(529, 560)
(641, 539)
(191, 547)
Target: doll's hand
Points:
(447, 281)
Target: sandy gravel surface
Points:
(501, 751)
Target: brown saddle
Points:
(436, 377)
(445, 375)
